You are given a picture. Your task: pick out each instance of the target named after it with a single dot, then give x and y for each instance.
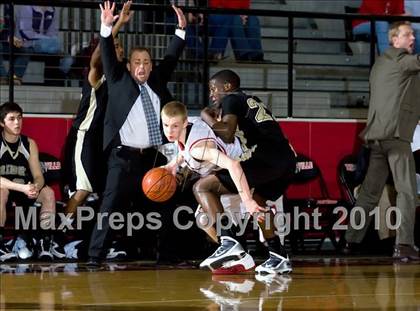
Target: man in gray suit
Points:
(394, 111)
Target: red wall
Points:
(325, 142)
(50, 134)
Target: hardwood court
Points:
(315, 284)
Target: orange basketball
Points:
(159, 185)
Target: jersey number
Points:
(261, 114)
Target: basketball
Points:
(159, 185)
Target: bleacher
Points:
(327, 81)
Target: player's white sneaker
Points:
(229, 250)
(6, 251)
(21, 249)
(71, 250)
(57, 250)
(43, 247)
(275, 264)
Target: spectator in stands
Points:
(38, 27)
(22, 183)
(194, 31)
(412, 7)
(154, 21)
(193, 38)
(242, 30)
(81, 64)
(378, 7)
(393, 115)
(20, 59)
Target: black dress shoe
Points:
(351, 249)
(93, 263)
(406, 252)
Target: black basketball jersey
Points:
(91, 113)
(14, 158)
(255, 121)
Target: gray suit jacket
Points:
(394, 106)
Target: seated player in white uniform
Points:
(203, 152)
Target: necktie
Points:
(155, 136)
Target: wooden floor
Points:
(315, 284)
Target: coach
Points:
(131, 127)
(393, 115)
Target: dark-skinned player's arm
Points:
(207, 151)
(225, 128)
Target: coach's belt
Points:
(137, 150)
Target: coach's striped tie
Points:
(155, 136)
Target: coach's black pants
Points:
(126, 168)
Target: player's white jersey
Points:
(199, 132)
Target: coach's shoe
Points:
(21, 249)
(275, 264)
(6, 251)
(43, 247)
(229, 250)
(57, 250)
(406, 252)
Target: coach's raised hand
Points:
(182, 21)
(107, 13)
